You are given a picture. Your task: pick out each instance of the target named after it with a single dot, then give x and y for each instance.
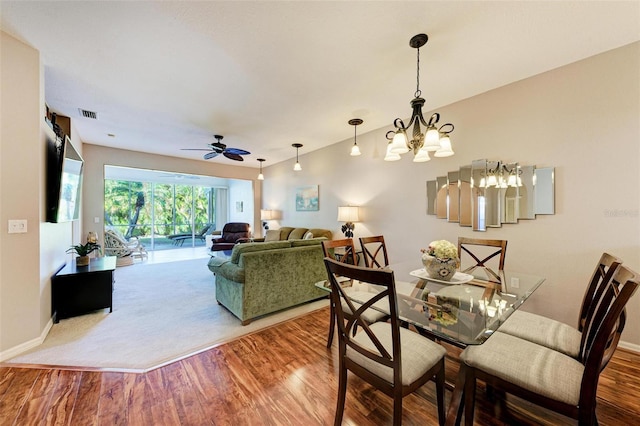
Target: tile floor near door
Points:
(174, 255)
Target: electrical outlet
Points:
(18, 226)
(515, 282)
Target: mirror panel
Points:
(526, 192)
(464, 177)
(431, 196)
(544, 190)
(509, 183)
(441, 198)
(453, 197)
(478, 182)
(492, 195)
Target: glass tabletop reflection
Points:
(462, 312)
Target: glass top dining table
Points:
(464, 311)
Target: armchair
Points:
(232, 233)
(125, 251)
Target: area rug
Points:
(161, 313)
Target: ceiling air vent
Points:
(88, 114)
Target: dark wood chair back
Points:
(602, 274)
(480, 257)
(348, 321)
(372, 248)
(348, 253)
(602, 332)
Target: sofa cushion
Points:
(307, 236)
(284, 232)
(238, 249)
(317, 232)
(272, 235)
(297, 234)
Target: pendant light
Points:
(297, 166)
(260, 175)
(355, 122)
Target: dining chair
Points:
(348, 257)
(546, 377)
(475, 248)
(372, 247)
(557, 335)
(394, 360)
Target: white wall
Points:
(27, 260)
(582, 119)
(241, 192)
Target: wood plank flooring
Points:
(283, 375)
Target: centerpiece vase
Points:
(440, 269)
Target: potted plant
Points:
(83, 251)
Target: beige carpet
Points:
(161, 313)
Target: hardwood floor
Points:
(283, 375)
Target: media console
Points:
(77, 290)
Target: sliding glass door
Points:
(160, 215)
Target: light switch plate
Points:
(18, 226)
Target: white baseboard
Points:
(629, 346)
(17, 350)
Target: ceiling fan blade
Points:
(237, 151)
(210, 155)
(232, 156)
(194, 149)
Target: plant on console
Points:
(83, 251)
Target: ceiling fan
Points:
(218, 148)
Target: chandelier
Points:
(434, 139)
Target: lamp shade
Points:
(348, 214)
(266, 214)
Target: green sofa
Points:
(264, 277)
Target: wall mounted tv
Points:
(64, 180)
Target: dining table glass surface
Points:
(464, 311)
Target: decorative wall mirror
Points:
(489, 193)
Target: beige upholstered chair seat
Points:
(369, 315)
(528, 365)
(544, 331)
(418, 354)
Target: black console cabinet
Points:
(78, 290)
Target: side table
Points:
(77, 290)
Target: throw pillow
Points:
(272, 235)
(307, 236)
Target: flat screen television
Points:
(64, 180)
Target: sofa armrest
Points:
(215, 263)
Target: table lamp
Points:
(348, 214)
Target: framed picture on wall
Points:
(239, 206)
(307, 198)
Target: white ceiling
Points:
(168, 75)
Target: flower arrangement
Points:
(441, 249)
